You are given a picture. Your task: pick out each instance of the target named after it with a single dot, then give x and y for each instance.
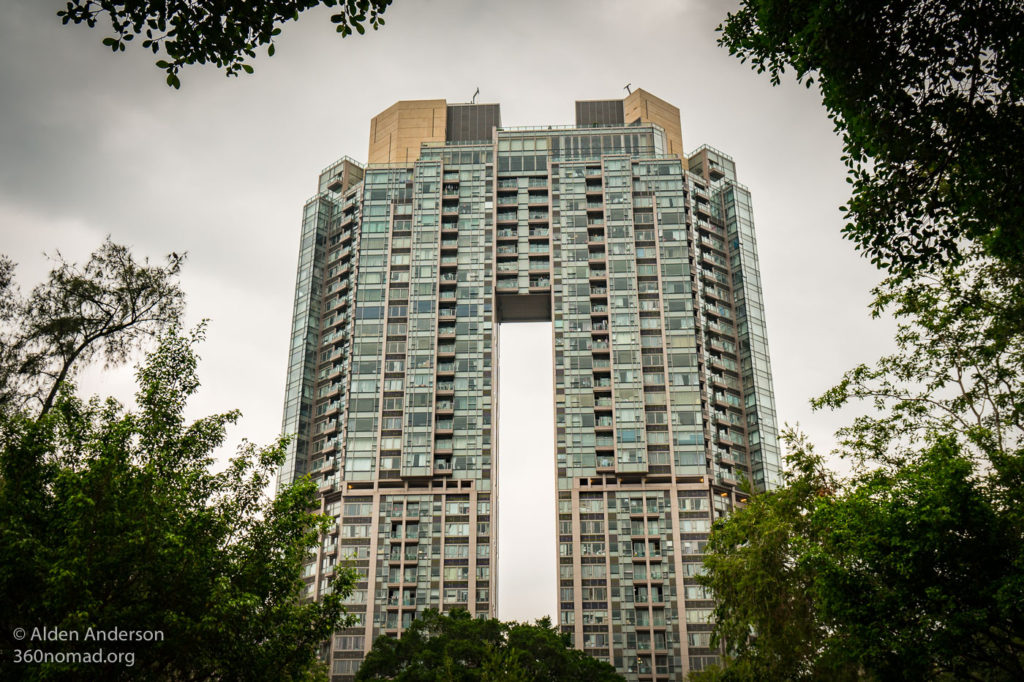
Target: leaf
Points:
(270, 51)
(173, 81)
(247, 68)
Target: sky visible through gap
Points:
(527, 560)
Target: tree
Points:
(919, 571)
(224, 33)
(456, 646)
(912, 568)
(903, 572)
(755, 566)
(929, 97)
(100, 310)
(115, 519)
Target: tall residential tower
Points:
(645, 261)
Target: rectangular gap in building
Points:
(527, 546)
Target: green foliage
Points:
(929, 97)
(913, 571)
(457, 647)
(101, 310)
(113, 519)
(755, 567)
(914, 567)
(919, 571)
(224, 33)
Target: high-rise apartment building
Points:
(644, 260)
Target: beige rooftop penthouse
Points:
(397, 133)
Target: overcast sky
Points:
(93, 143)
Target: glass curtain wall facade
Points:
(646, 264)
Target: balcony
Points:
(540, 283)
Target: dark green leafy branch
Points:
(929, 99)
(225, 33)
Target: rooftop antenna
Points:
(628, 91)
(473, 101)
